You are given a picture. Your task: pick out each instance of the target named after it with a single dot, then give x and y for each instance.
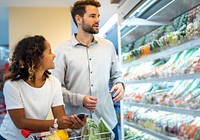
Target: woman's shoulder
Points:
(53, 79)
(12, 84)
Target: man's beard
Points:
(89, 29)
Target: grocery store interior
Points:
(158, 46)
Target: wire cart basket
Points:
(91, 131)
(101, 136)
(107, 136)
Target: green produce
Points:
(104, 128)
(92, 130)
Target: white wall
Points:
(54, 23)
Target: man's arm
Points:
(59, 72)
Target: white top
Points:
(37, 103)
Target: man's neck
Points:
(85, 38)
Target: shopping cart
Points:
(85, 133)
(98, 136)
(30, 135)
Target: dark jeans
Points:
(1, 138)
(116, 130)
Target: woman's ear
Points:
(21, 63)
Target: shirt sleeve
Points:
(58, 98)
(115, 71)
(59, 72)
(12, 96)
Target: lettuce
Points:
(95, 131)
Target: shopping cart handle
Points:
(25, 132)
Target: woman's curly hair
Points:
(26, 58)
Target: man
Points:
(86, 64)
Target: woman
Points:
(30, 92)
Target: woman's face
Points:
(48, 58)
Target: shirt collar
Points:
(75, 42)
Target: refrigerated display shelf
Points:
(166, 79)
(177, 110)
(166, 13)
(148, 131)
(175, 9)
(165, 53)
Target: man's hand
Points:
(119, 92)
(90, 102)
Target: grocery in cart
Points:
(91, 131)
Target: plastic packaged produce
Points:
(93, 130)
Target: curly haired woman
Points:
(30, 92)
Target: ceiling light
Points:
(143, 8)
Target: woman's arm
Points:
(21, 122)
(19, 119)
(74, 123)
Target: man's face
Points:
(90, 22)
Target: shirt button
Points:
(90, 59)
(91, 72)
(92, 85)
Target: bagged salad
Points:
(96, 131)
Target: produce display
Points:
(170, 124)
(182, 94)
(163, 91)
(185, 62)
(131, 133)
(186, 27)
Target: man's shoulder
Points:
(102, 40)
(65, 44)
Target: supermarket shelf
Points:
(167, 13)
(165, 53)
(155, 134)
(184, 111)
(166, 79)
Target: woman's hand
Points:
(64, 122)
(73, 122)
(77, 122)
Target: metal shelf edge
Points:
(167, 52)
(155, 134)
(167, 79)
(183, 111)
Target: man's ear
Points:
(78, 19)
